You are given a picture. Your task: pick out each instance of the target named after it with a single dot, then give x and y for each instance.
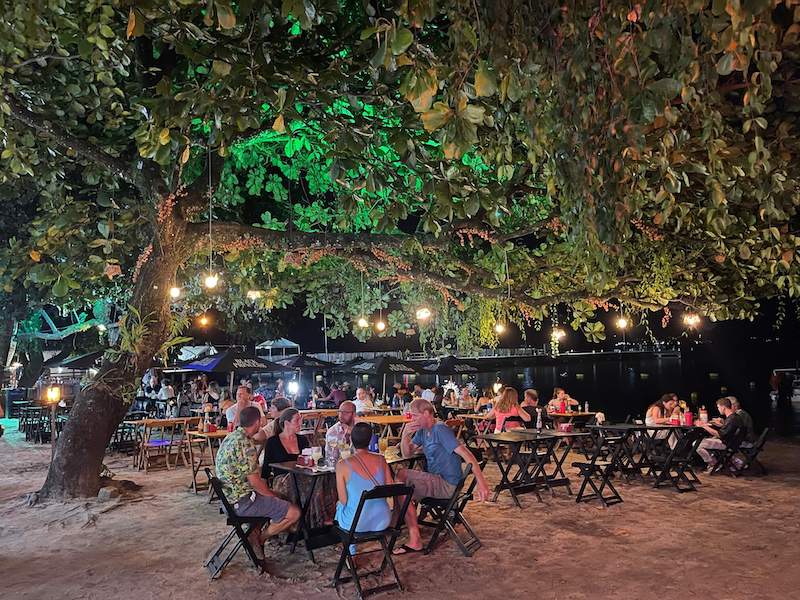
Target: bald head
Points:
(347, 413)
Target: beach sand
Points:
(734, 538)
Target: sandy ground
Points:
(735, 538)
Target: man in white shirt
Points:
(244, 398)
(340, 432)
(363, 402)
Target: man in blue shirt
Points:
(444, 454)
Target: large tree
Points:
(504, 160)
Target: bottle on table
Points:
(703, 414)
(586, 406)
(539, 420)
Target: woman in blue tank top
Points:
(361, 472)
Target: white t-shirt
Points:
(166, 392)
(230, 414)
(427, 395)
(363, 405)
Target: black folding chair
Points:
(675, 467)
(445, 514)
(513, 422)
(724, 456)
(600, 470)
(386, 537)
(750, 454)
(241, 527)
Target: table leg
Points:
(558, 474)
(303, 526)
(194, 468)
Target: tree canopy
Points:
(491, 160)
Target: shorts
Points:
(429, 485)
(256, 505)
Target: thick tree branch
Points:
(225, 233)
(66, 140)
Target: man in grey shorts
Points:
(240, 474)
(444, 454)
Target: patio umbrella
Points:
(452, 365)
(303, 361)
(383, 365)
(232, 361)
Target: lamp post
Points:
(53, 395)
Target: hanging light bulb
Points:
(380, 325)
(203, 320)
(499, 328)
(362, 322)
(423, 314)
(691, 319)
(622, 323)
(211, 281)
(174, 292)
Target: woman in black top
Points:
(287, 445)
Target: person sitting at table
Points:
(336, 397)
(237, 469)
(244, 398)
(401, 396)
(507, 405)
(444, 454)
(363, 403)
(360, 473)
(340, 432)
(530, 402)
(747, 420)
(276, 409)
(466, 401)
(719, 438)
(559, 396)
(285, 446)
(485, 401)
(660, 412)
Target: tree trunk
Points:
(6, 331)
(101, 406)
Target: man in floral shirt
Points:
(239, 472)
(339, 433)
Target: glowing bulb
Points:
(101, 327)
(622, 323)
(423, 313)
(499, 328)
(174, 292)
(53, 394)
(211, 281)
(362, 322)
(204, 320)
(253, 294)
(380, 325)
(691, 319)
(558, 333)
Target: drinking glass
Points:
(316, 454)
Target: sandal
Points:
(405, 549)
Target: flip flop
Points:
(405, 550)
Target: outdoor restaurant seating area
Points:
(559, 456)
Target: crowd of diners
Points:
(243, 460)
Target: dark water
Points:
(625, 385)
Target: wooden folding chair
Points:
(448, 513)
(240, 529)
(387, 539)
(750, 454)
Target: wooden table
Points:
(146, 443)
(206, 440)
(395, 459)
(313, 538)
(385, 422)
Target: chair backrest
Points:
(393, 490)
(762, 439)
(516, 420)
(216, 484)
(735, 440)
